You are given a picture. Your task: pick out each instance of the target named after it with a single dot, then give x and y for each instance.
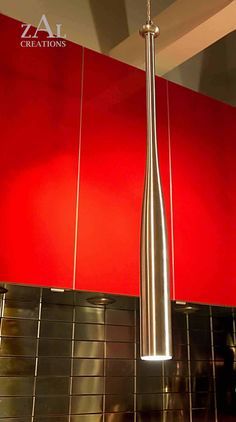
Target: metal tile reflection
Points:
(176, 385)
(173, 401)
(54, 366)
(57, 312)
(149, 402)
(149, 369)
(119, 403)
(87, 418)
(16, 386)
(117, 367)
(13, 327)
(120, 350)
(201, 368)
(119, 417)
(88, 349)
(17, 366)
(119, 385)
(201, 415)
(53, 329)
(89, 315)
(14, 406)
(86, 404)
(119, 333)
(52, 405)
(119, 317)
(23, 293)
(88, 367)
(54, 347)
(89, 332)
(176, 368)
(150, 385)
(50, 386)
(87, 385)
(11, 346)
(20, 309)
(164, 416)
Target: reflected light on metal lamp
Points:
(155, 306)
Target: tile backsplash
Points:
(65, 360)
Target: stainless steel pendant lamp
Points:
(155, 306)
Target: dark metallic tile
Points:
(54, 347)
(87, 385)
(201, 369)
(119, 417)
(146, 369)
(86, 404)
(52, 405)
(179, 337)
(57, 312)
(223, 324)
(52, 329)
(16, 386)
(54, 366)
(51, 419)
(89, 332)
(201, 384)
(176, 384)
(180, 352)
(15, 406)
(19, 327)
(119, 385)
(197, 322)
(119, 333)
(58, 298)
(118, 368)
(174, 368)
(119, 403)
(87, 418)
(89, 315)
(50, 386)
(119, 317)
(203, 415)
(203, 400)
(20, 309)
(165, 416)
(23, 293)
(17, 366)
(200, 345)
(88, 367)
(120, 350)
(11, 346)
(24, 419)
(150, 385)
(149, 402)
(178, 321)
(175, 401)
(88, 349)
(221, 311)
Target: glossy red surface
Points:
(203, 144)
(40, 112)
(113, 146)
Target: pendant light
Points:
(155, 306)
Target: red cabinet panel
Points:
(203, 144)
(113, 145)
(40, 114)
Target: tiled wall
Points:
(62, 359)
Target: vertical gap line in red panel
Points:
(78, 172)
(171, 193)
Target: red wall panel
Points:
(40, 114)
(203, 145)
(113, 147)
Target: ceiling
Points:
(196, 47)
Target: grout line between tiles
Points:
(36, 355)
(213, 364)
(189, 370)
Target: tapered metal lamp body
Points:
(155, 322)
